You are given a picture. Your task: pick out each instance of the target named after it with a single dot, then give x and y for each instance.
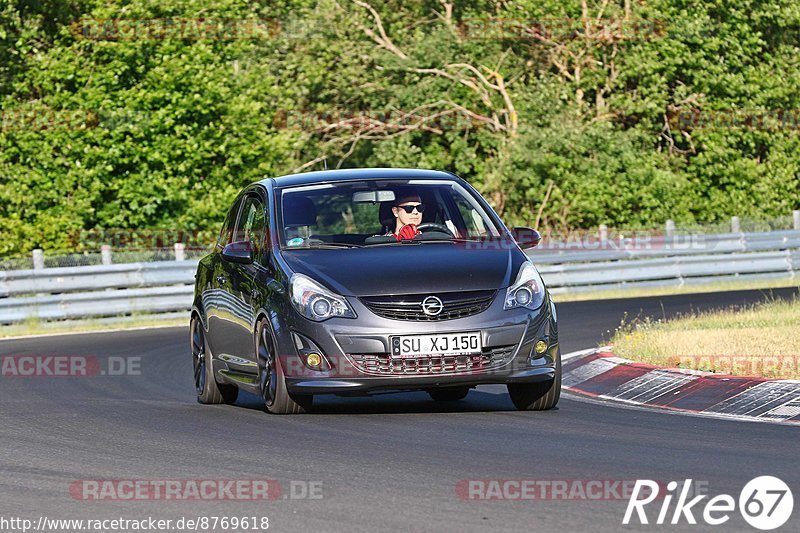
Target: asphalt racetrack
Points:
(389, 462)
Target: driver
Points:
(407, 210)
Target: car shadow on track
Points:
(477, 401)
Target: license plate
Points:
(440, 344)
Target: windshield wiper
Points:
(454, 239)
(392, 243)
(324, 245)
(409, 242)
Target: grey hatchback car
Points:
(350, 282)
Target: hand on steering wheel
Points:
(436, 227)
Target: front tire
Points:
(271, 379)
(537, 396)
(206, 386)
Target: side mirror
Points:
(526, 237)
(238, 252)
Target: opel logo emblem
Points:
(432, 306)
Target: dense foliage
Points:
(565, 114)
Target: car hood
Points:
(407, 269)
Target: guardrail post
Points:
(180, 254)
(603, 235)
(796, 216)
(105, 254)
(38, 259)
(669, 229)
(735, 225)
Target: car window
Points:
(474, 223)
(337, 214)
(344, 214)
(252, 226)
(226, 233)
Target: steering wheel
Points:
(436, 227)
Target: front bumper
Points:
(356, 352)
(362, 385)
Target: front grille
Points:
(383, 364)
(409, 307)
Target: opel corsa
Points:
(310, 290)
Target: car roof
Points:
(323, 176)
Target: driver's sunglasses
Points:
(410, 208)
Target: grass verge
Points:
(759, 340)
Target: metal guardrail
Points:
(650, 247)
(90, 278)
(167, 286)
(153, 300)
(671, 272)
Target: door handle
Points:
(220, 280)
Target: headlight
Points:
(315, 302)
(527, 291)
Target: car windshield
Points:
(359, 213)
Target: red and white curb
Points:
(599, 373)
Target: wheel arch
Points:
(198, 312)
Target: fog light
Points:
(540, 347)
(313, 359)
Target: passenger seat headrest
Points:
(298, 211)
